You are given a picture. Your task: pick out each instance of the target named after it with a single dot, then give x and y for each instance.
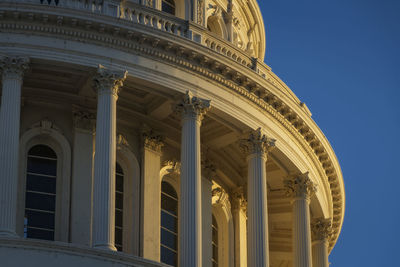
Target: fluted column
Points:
(239, 211)
(192, 110)
(256, 147)
(321, 231)
(301, 188)
(12, 69)
(107, 84)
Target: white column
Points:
(321, 232)
(12, 77)
(239, 210)
(151, 202)
(192, 110)
(82, 176)
(301, 188)
(107, 83)
(256, 147)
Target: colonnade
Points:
(192, 110)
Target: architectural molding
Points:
(84, 119)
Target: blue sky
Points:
(342, 59)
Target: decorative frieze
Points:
(257, 143)
(192, 107)
(300, 186)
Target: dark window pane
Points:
(119, 200)
(42, 166)
(39, 219)
(119, 183)
(168, 6)
(168, 239)
(169, 204)
(168, 256)
(40, 234)
(168, 189)
(40, 201)
(118, 237)
(118, 218)
(42, 151)
(168, 221)
(40, 183)
(118, 169)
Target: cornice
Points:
(180, 52)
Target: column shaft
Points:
(240, 227)
(9, 141)
(190, 220)
(301, 188)
(320, 253)
(192, 110)
(256, 147)
(104, 173)
(108, 84)
(301, 233)
(258, 251)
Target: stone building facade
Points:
(151, 133)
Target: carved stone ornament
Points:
(109, 81)
(83, 119)
(152, 141)
(200, 12)
(174, 166)
(122, 142)
(257, 142)
(300, 186)
(192, 107)
(209, 170)
(14, 66)
(219, 196)
(321, 229)
(238, 200)
(148, 3)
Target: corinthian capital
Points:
(257, 143)
(300, 186)
(109, 81)
(152, 140)
(84, 119)
(14, 66)
(238, 200)
(192, 107)
(321, 229)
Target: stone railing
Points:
(154, 18)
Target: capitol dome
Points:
(151, 133)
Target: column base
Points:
(108, 247)
(8, 233)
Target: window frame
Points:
(46, 133)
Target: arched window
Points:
(119, 206)
(40, 193)
(169, 224)
(168, 6)
(214, 242)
